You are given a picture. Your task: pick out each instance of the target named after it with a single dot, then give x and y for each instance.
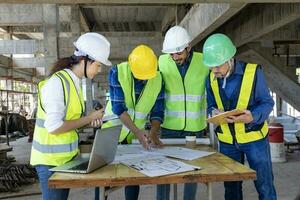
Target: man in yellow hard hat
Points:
(184, 78)
(136, 95)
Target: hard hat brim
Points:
(175, 50)
(107, 63)
(144, 77)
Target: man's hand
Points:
(246, 118)
(216, 111)
(143, 139)
(155, 140)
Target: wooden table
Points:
(215, 168)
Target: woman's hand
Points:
(96, 115)
(96, 123)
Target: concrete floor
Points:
(287, 181)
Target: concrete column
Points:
(8, 36)
(284, 108)
(51, 29)
(278, 105)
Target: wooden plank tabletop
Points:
(215, 168)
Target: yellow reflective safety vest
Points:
(57, 149)
(240, 134)
(138, 110)
(185, 101)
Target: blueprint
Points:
(127, 152)
(158, 166)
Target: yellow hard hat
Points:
(143, 62)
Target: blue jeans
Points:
(163, 191)
(259, 159)
(47, 193)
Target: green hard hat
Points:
(217, 50)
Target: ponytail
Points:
(65, 63)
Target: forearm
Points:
(261, 113)
(127, 121)
(155, 126)
(69, 125)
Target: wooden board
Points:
(220, 118)
(215, 168)
(5, 148)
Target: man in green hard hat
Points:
(234, 84)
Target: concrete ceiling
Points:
(269, 31)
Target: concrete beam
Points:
(127, 26)
(144, 2)
(203, 19)
(20, 14)
(29, 62)
(85, 25)
(21, 47)
(258, 20)
(290, 32)
(168, 19)
(5, 61)
(122, 43)
(173, 15)
(63, 27)
(28, 14)
(280, 79)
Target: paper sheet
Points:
(127, 152)
(158, 166)
(183, 153)
(177, 141)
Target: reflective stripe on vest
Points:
(57, 149)
(138, 111)
(242, 104)
(181, 97)
(185, 102)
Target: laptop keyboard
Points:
(82, 166)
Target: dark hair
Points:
(65, 63)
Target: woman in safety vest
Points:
(61, 107)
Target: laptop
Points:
(103, 152)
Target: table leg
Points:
(175, 191)
(102, 193)
(97, 193)
(209, 191)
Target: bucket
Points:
(276, 142)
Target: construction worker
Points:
(184, 77)
(60, 109)
(136, 93)
(235, 84)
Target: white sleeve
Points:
(53, 103)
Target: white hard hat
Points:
(176, 40)
(93, 45)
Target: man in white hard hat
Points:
(184, 75)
